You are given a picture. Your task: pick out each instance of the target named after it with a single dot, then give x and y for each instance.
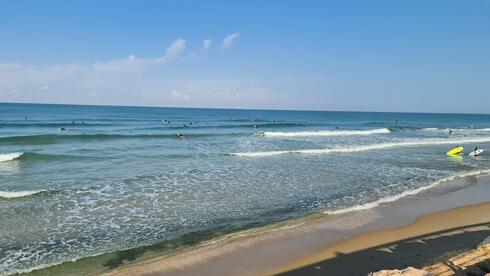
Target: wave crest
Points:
(10, 156)
(326, 133)
(360, 148)
(389, 199)
(6, 194)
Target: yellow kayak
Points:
(455, 151)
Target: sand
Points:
(430, 236)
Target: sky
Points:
(369, 55)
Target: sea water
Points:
(120, 177)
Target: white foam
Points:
(378, 202)
(5, 194)
(325, 133)
(457, 129)
(380, 146)
(10, 156)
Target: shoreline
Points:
(427, 227)
(259, 251)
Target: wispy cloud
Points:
(206, 44)
(174, 50)
(179, 95)
(228, 40)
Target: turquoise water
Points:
(119, 177)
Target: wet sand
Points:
(452, 217)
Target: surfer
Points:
(63, 129)
(450, 131)
(476, 148)
(180, 136)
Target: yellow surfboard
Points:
(455, 151)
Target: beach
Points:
(94, 189)
(412, 231)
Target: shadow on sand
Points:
(415, 251)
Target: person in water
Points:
(450, 131)
(181, 136)
(476, 148)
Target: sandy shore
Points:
(408, 232)
(430, 236)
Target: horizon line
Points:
(256, 109)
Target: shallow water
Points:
(119, 177)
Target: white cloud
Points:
(125, 81)
(206, 44)
(228, 40)
(174, 50)
(179, 95)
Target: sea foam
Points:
(6, 194)
(10, 156)
(456, 129)
(396, 197)
(360, 148)
(325, 133)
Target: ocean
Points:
(120, 177)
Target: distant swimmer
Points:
(255, 126)
(73, 122)
(396, 122)
(63, 129)
(165, 121)
(450, 131)
(181, 136)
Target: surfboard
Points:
(476, 152)
(455, 151)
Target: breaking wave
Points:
(405, 193)
(325, 133)
(10, 156)
(360, 148)
(6, 194)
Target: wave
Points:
(389, 199)
(53, 138)
(360, 148)
(326, 133)
(10, 156)
(55, 124)
(6, 194)
(250, 125)
(456, 129)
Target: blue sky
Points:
(429, 56)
